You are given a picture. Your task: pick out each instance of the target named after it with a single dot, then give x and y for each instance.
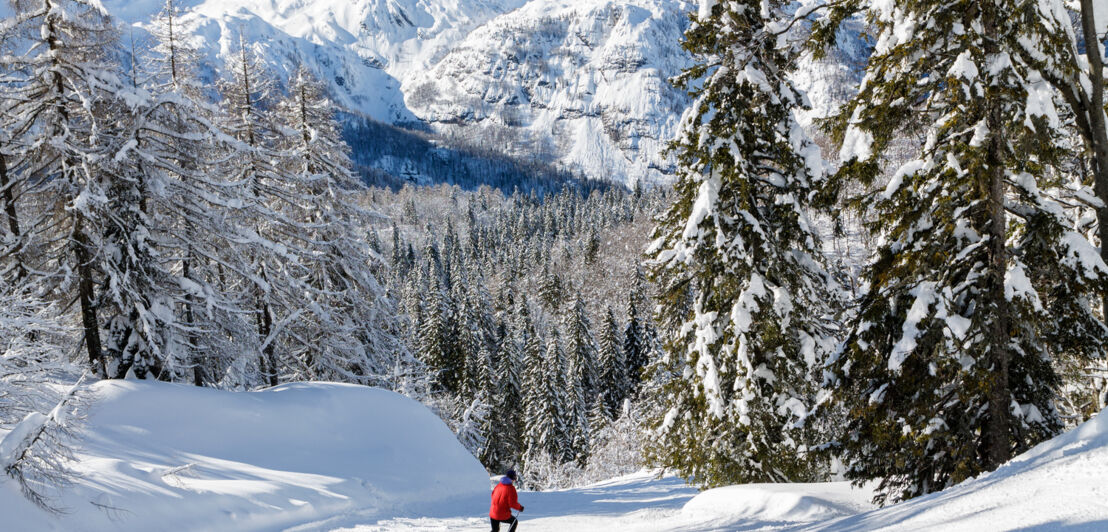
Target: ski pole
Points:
(515, 523)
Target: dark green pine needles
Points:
(978, 281)
(738, 239)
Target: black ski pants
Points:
(511, 522)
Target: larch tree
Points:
(255, 267)
(57, 73)
(200, 205)
(349, 332)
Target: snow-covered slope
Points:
(1060, 484)
(584, 83)
(159, 456)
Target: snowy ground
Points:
(641, 503)
(158, 456)
(306, 457)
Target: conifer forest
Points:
(763, 242)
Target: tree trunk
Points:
(268, 360)
(998, 434)
(87, 296)
(1097, 136)
(7, 195)
(190, 320)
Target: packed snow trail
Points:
(642, 503)
(619, 504)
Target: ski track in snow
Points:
(634, 503)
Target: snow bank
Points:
(161, 456)
(779, 503)
(1060, 484)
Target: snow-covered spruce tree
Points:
(946, 372)
(508, 406)
(639, 335)
(434, 346)
(1077, 74)
(615, 386)
(738, 236)
(534, 376)
(551, 291)
(583, 377)
(476, 329)
(479, 420)
(471, 346)
(599, 419)
(581, 348)
(635, 347)
(494, 454)
(56, 73)
(1071, 68)
(549, 431)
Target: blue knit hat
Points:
(511, 473)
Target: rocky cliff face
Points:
(581, 84)
(362, 48)
(576, 84)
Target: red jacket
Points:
(503, 498)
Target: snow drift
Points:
(158, 456)
(780, 504)
(1059, 484)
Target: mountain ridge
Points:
(582, 86)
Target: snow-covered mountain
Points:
(584, 83)
(579, 84)
(363, 48)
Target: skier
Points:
(503, 500)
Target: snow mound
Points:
(1059, 484)
(779, 503)
(159, 455)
